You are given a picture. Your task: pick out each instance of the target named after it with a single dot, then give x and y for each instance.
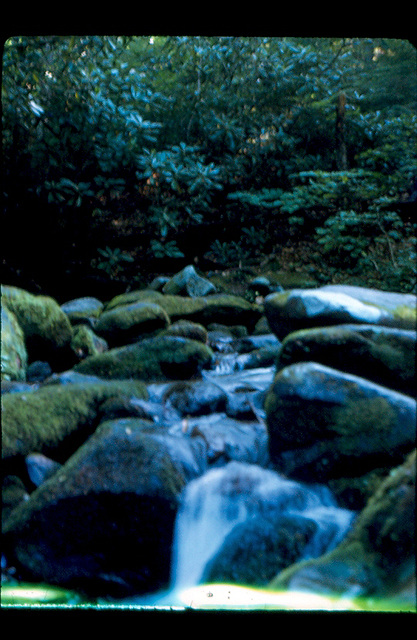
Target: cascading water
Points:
(222, 498)
(208, 513)
(215, 504)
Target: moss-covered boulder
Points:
(127, 323)
(104, 521)
(152, 359)
(85, 342)
(14, 357)
(324, 423)
(378, 555)
(140, 295)
(381, 354)
(187, 329)
(46, 328)
(55, 419)
(218, 308)
(306, 308)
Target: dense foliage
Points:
(124, 156)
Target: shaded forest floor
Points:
(292, 265)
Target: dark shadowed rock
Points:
(324, 423)
(104, 521)
(381, 354)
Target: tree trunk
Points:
(341, 154)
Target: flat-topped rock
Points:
(338, 304)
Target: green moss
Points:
(364, 416)
(334, 571)
(14, 356)
(46, 328)
(395, 356)
(407, 315)
(127, 323)
(387, 524)
(290, 279)
(187, 329)
(160, 358)
(44, 418)
(39, 316)
(13, 493)
(85, 342)
(222, 308)
(142, 295)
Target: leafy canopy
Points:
(174, 147)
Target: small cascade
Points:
(216, 502)
(226, 363)
(208, 513)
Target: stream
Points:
(241, 491)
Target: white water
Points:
(206, 517)
(222, 498)
(214, 503)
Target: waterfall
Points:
(213, 504)
(206, 516)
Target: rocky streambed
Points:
(175, 435)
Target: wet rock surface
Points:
(322, 421)
(339, 304)
(109, 414)
(381, 354)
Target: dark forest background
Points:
(128, 157)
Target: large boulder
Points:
(189, 455)
(338, 304)
(159, 358)
(14, 357)
(381, 354)
(55, 419)
(128, 323)
(377, 558)
(103, 523)
(46, 328)
(217, 308)
(402, 305)
(324, 423)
